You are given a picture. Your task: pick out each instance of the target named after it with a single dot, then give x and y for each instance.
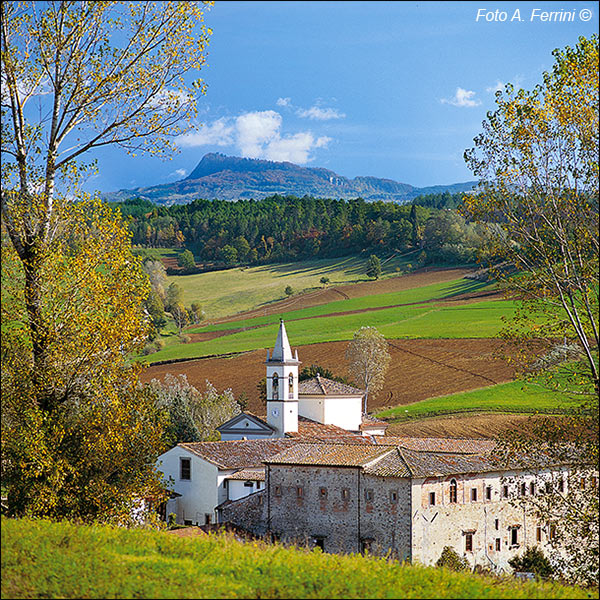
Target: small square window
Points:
(323, 492)
(369, 495)
(432, 498)
(185, 468)
(394, 496)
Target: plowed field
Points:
(419, 369)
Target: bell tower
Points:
(282, 385)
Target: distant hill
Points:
(233, 178)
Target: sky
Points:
(396, 90)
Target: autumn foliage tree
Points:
(368, 360)
(537, 160)
(79, 436)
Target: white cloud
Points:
(462, 98)
(284, 101)
(219, 133)
(257, 129)
(320, 114)
(498, 87)
(257, 135)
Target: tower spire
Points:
(282, 351)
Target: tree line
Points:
(284, 228)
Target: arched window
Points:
(453, 488)
(291, 386)
(275, 387)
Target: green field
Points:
(417, 295)
(512, 397)
(41, 559)
(431, 320)
(228, 292)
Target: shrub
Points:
(532, 561)
(451, 560)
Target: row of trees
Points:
(289, 228)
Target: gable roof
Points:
(312, 430)
(321, 386)
(237, 454)
(333, 455)
(260, 424)
(464, 446)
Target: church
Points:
(316, 471)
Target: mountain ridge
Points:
(218, 176)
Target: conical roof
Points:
(282, 351)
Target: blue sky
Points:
(388, 89)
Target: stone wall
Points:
(248, 513)
(339, 509)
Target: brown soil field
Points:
(419, 278)
(462, 426)
(419, 369)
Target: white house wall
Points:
(198, 494)
(345, 412)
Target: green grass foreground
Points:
(512, 397)
(41, 559)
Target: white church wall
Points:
(344, 412)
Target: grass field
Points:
(228, 292)
(41, 559)
(513, 397)
(431, 320)
(446, 289)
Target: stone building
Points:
(408, 500)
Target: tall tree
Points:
(537, 160)
(374, 267)
(369, 360)
(78, 434)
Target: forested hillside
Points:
(282, 228)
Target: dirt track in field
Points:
(419, 369)
(355, 290)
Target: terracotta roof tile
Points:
(464, 446)
(247, 475)
(322, 386)
(238, 454)
(333, 455)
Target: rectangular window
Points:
(523, 489)
(488, 492)
(473, 494)
(248, 484)
(532, 488)
(432, 498)
(393, 496)
(299, 491)
(552, 531)
(514, 536)
(185, 468)
(538, 533)
(497, 523)
(323, 492)
(278, 490)
(187, 523)
(207, 518)
(468, 542)
(505, 491)
(561, 485)
(498, 544)
(594, 482)
(369, 495)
